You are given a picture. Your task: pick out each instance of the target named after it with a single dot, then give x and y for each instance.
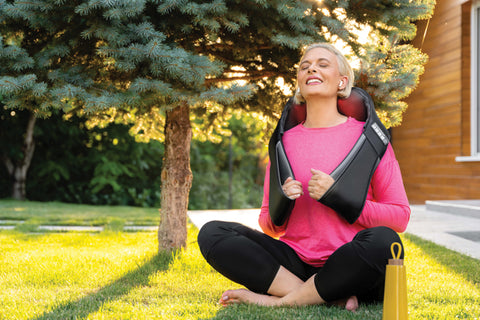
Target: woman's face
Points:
(318, 74)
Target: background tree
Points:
(17, 148)
(158, 62)
(35, 60)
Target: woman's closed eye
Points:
(304, 67)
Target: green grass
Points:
(34, 213)
(118, 275)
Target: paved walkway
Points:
(459, 231)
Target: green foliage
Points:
(390, 73)
(107, 165)
(242, 150)
(98, 166)
(150, 55)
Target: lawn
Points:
(120, 275)
(62, 214)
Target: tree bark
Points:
(176, 180)
(18, 170)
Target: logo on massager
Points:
(380, 133)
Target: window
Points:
(475, 86)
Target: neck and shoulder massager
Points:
(352, 176)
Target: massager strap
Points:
(352, 176)
(280, 206)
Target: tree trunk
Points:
(18, 170)
(176, 179)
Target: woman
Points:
(318, 256)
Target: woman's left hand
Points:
(292, 188)
(319, 184)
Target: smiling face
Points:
(318, 74)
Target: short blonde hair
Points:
(343, 67)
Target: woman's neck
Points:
(323, 114)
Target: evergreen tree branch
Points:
(248, 78)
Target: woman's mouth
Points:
(314, 81)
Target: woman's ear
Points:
(343, 83)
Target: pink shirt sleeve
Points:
(387, 203)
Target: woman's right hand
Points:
(319, 184)
(292, 188)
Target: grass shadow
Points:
(467, 267)
(251, 312)
(81, 308)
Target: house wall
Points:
(436, 125)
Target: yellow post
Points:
(395, 298)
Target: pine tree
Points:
(159, 62)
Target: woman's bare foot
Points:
(352, 304)
(246, 296)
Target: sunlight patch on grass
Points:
(435, 291)
(39, 272)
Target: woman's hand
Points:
(319, 184)
(292, 188)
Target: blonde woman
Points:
(316, 257)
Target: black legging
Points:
(252, 258)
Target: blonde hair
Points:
(344, 69)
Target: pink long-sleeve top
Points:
(314, 230)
